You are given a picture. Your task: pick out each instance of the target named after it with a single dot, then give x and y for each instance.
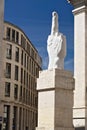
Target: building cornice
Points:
(80, 10)
(78, 3)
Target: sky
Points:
(34, 17)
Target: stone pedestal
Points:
(55, 100)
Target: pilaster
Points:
(80, 63)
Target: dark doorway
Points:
(0, 126)
(80, 128)
(26, 128)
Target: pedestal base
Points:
(55, 100)
(58, 128)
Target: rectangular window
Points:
(30, 65)
(28, 48)
(8, 70)
(17, 54)
(17, 37)
(16, 72)
(20, 92)
(7, 89)
(8, 33)
(24, 77)
(9, 51)
(14, 126)
(20, 118)
(25, 61)
(27, 80)
(6, 117)
(37, 72)
(21, 75)
(22, 57)
(26, 96)
(23, 41)
(23, 94)
(36, 101)
(13, 35)
(15, 91)
(32, 53)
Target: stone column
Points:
(80, 63)
(55, 100)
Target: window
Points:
(16, 72)
(15, 91)
(28, 48)
(7, 89)
(14, 126)
(17, 54)
(27, 80)
(23, 41)
(20, 117)
(24, 77)
(21, 75)
(6, 117)
(9, 51)
(25, 61)
(17, 37)
(32, 53)
(8, 33)
(8, 70)
(22, 57)
(25, 96)
(21, 92)
(30, 65)
(36, 101)
(37, 71)
(13, 35)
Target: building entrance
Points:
(0, 126)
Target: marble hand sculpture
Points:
(56, 45)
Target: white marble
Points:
(56, 45)
(55, 100)
(80, 67)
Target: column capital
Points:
(78, 3)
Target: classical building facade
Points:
(80, 64)
(20, 69)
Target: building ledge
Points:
(78, 3)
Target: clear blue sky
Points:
(34, 18)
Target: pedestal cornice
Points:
(78, 3)
(55, 79)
